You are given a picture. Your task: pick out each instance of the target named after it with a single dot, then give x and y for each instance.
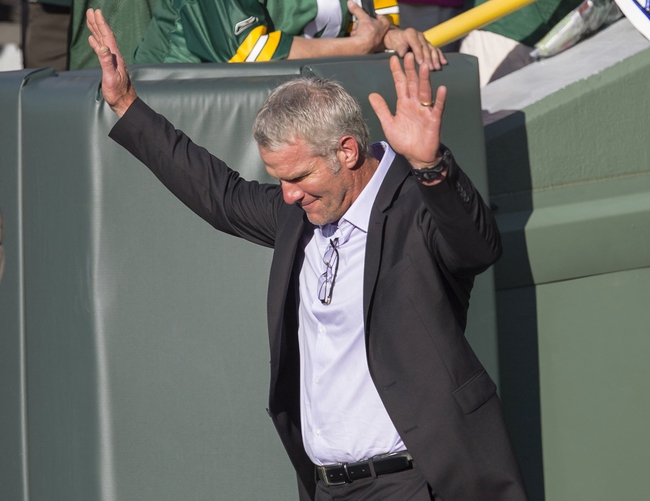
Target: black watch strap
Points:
(435, 171)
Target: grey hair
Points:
(317, 110)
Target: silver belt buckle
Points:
(323, 475)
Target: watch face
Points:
(430, 174)
(435, 172)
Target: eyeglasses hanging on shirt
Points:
(327, 279)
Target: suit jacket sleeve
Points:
(201, 181)
(462, 231)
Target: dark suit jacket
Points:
(424, 247)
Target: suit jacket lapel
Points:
(286, 244)
(398, 172)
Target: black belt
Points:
(344, 473)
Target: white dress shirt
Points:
(343, 418)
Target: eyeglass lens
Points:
(327, 279)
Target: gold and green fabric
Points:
(196, 31)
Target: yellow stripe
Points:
(269, 47)
(382, 4)
(247, 45)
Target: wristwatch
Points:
(435, 171)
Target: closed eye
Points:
(297, 179)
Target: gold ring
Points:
(427, 105)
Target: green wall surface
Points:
(569, 179)
(594, 372)
(133, 340)
(133, 336)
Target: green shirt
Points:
(128, 19)
(239, 30)
(60, 3)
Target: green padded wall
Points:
(13, 390)
(137, 353)
(570, 182)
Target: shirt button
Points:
(316, 380)
(321, 329)
(317, 432)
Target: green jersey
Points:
(196, 31)
(129, 20)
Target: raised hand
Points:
(414, 130)
(116, 83)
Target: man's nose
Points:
(291, 193)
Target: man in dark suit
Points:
(375, 392)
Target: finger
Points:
(422, 50)
(411, 76)
(109, 40)
(92, 24)
(434, 54)
(424, 90)
(102, 25)
(105, 30)
(401, 85)
(430, 53)
(407, 41)
(104, 56)
(384, 21)
(415, 43)
(94, 44)
(96, 40)
(357, 11)
(381, 109)
(426, 52)
(439, 106)
(441, 56)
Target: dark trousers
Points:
(408, 485)
(46, 37)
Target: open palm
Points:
(414, 130)
(116, 83)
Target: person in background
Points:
(425, 14)
(130, 18)
(249, 30)
(46, 25)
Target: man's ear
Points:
(348, 153)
